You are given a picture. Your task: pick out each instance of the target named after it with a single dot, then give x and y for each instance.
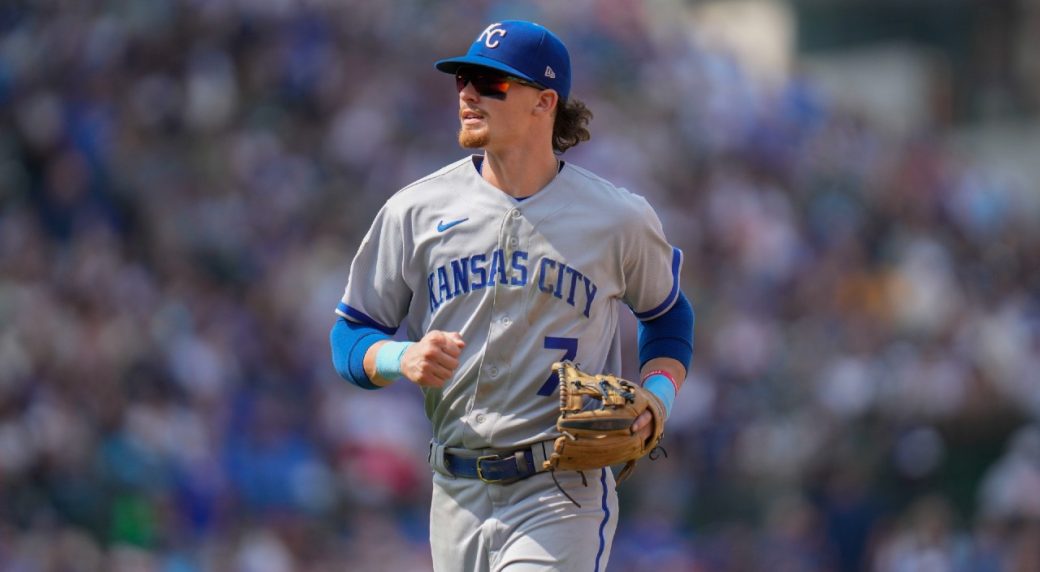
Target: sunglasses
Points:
(489, 83)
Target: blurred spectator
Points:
(925, 542)
(1010, 490)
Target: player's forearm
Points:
(351, 344)
(662, 376)
(371, 360)
(671, 366)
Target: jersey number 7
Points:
(570, 351)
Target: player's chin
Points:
(473, 138)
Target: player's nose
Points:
(468, 93)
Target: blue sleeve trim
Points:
(670, 335)
(350, 341)
(676, 265)
(364, 318)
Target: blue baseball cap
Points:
(523, 49)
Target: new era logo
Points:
(549, 72)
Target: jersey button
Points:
(481, 418)
(506, 320)
(493, 371)
(516, 213)
(514, 242)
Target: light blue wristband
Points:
(388, 359)
(662, 387)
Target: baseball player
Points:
(497, 266)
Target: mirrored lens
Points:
(486, 84)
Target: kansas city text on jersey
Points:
(475, 272)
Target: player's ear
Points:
(546, 102)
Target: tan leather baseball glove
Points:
(594, 437)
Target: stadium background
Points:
(854, 184)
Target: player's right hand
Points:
(431, 361)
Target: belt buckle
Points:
(480, 472)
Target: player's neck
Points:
(518, 172)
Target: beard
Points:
(470, 139)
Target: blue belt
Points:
(501, 469)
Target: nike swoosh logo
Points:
(441, 226)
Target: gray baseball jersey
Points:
(525, 282)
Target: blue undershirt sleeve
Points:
(668, 335)
(350, 341)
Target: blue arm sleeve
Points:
(350, 341)
(669, 335)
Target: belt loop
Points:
(437, 459)
(540, 455)
(520, 458)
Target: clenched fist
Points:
(431, 361)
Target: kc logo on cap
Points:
(489, 33)
(522, 49)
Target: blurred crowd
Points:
(183, 184)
